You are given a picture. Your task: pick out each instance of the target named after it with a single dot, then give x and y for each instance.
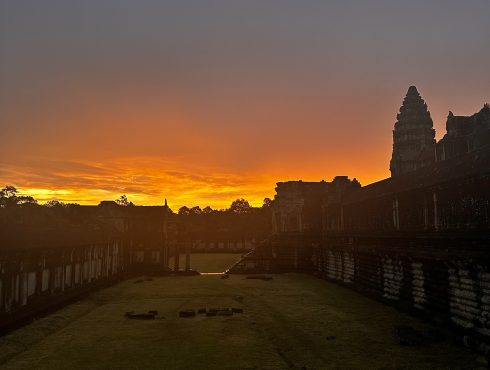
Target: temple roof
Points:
(412, 90)
(413, 111)
(468, 165)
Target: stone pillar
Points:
(39, 275)
(274, 222)
(396, 215)
(164, 248)
(324, 220)
(341, 218)
(295, 258)
(176, 257)
(3, 286)
(73, 264)
(52, 272)
(7, 289)
(187, 256)
(436, 217)
(63, 271)
(165, 256)
(300, 220)
(22, 286)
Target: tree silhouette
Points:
(195, 210)
(267, 203)
(207, 210)
(55, 204)
(123, 201)
(184, 211)
(240, 206)
(9, 197)
(8, 191)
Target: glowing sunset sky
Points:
(202, 102)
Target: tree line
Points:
(11, 197)
(240, 220)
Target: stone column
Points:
(274, 222)
(63, 271)
(341, 217)
(436, 217)
(7, 292)
(187, 256)
(324, 220)
(52, 272)
(73, 264)
(396, 215)
(39, 275)
(22, 286)
(300, 220)
(176, 257)
(163, 249)
(295, 258)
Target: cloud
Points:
(144, 180)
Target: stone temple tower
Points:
(413, 136)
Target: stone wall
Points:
(447, 280)
(36, 280)
(221, 245)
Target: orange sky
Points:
(205, 102)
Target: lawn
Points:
(293, 321)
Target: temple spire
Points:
(413, 136)
(412, 91)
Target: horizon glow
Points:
(209, 101)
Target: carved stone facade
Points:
(44, 264)
(414, 146)
(297, 204)
(413, 136)
(144, 230)
(418, 240)
(425, 195)
(464, 134)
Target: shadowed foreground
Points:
(292, 321)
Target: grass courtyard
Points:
(291, 322)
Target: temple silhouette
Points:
(417, 240)
(413, 136)
(414, 144)
(427, 180)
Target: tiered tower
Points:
(413, 136)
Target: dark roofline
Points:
(471, 164)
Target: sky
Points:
(206, 101)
